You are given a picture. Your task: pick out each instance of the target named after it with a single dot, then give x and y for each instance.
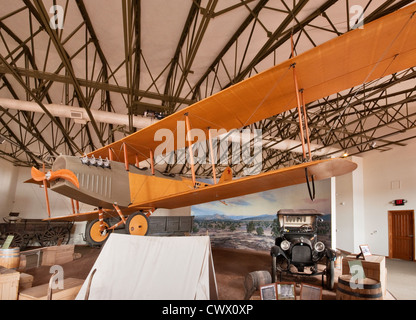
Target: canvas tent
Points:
(152, 268)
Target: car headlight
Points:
(319, 246)
(285, 245)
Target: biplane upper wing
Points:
(381, 48)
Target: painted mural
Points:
(249, 222)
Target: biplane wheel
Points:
(137, 224)
(93, 234)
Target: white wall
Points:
(387, 176)
(350, 222)
(8, 174)
(363, 198)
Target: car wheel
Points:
(273, 269)
(330, 275)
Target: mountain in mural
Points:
(219, 217)
(264, 217)
(216, 217)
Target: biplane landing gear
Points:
(93, 234)
(137, 224)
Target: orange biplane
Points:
(118, 186)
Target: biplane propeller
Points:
(45, 178)
(117, 187)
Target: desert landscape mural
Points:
(249, 222)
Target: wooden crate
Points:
(9, 284)
(70, 291)
(25, 281)
(374, 268)
(57, 255)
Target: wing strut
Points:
(305, 115)
(152, 162)
(191, 156)
(214, 175)
(300, 99)
(301, 105)
(311, 192)
(126, 157)
(75, 206)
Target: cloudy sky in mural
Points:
(269, 202)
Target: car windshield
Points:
(297, 223)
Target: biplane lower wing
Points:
(316, 170)
(305, 172)
(91, 215)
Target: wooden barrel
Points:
(358, 289)
(10, 258)
(254, 280)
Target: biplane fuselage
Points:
(103, 186)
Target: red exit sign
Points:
(399, 202)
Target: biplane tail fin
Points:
(227, 175)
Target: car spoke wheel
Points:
(55, 235)
(18, 240)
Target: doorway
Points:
(401, 234)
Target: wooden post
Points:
(191, 155)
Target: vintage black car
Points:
(297, 249)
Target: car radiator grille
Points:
(301, 254)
